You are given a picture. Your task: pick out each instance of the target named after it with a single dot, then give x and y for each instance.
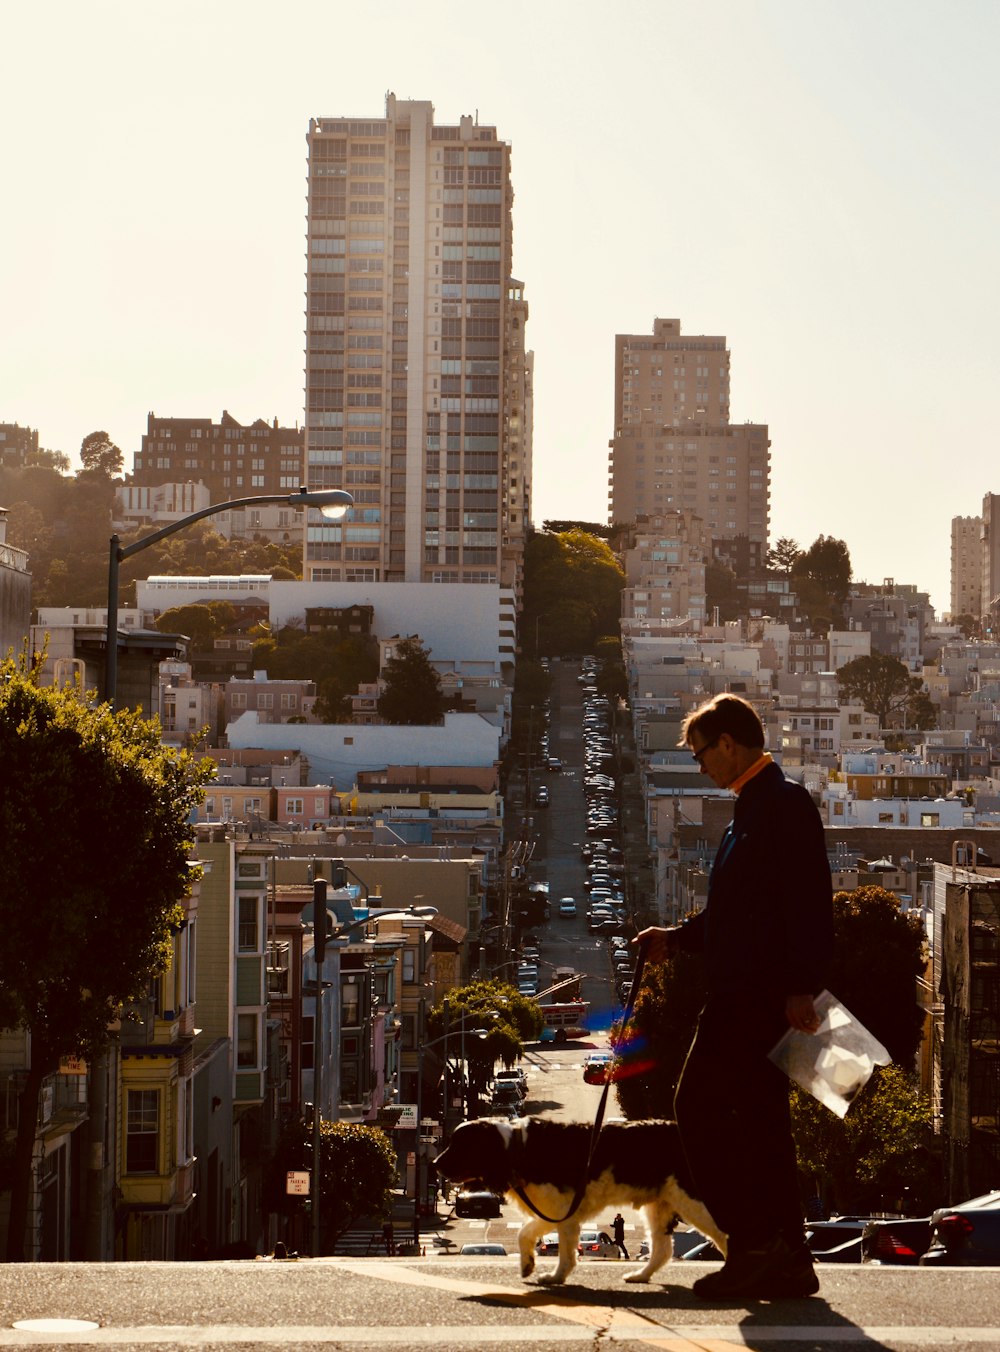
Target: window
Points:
(246, 1040)
(930, 819)
(409, 966)
(293, 807)
(142, 1131)
(308, 1041)
(247, 925)
(350, 1004)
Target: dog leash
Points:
(581, 1187)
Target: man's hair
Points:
(725, 713)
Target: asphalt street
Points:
(464, 1304)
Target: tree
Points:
(881, 1156)
(510, 1020)
(201, 623)
(86, 927)
(884, 686)
(721, 590)
(357, 1170)
(572, 589)
(100, 456)
(657, 1038)
(412, 694)
(784, 554)
(879, 955)
(828, 562)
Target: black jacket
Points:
(767, 929)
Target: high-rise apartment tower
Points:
(418, 383)
(674, 448)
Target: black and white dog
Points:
(639, 1164)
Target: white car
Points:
(567, 906)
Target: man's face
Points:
(715, 756)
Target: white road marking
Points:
(624, 1327)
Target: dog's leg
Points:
(659, 1218)
(697, 1214)
(529, 1232)
(569, 1240)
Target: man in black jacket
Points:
(766, 934)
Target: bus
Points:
(564, 1020)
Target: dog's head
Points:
(478, 1151)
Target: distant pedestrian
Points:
(388, 1235)
(618, 1230)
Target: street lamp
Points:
(481, 1034)
(320, 917)
(334, 503)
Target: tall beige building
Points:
(674, 448)
(418, 379)
(665, 568)
(967, 566)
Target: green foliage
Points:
(100, 456)
(572, 588)
(77, 778)
(201, 623)
(879, 954)
(827, 562)
(412, 695)
(881, 1156)
(884, 686)
(95, 819)
(357, 1172)
(721, 590)
(510, 1019)
(658, 1036)
(784, 554)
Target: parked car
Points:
(515, 1077)
(477, 1205)
(541, 796)
(567, 908)
(898, 1241)
(967, 1235)
(597, 1244)
(483, 1250)
(595, 1067)
(555, 763)
(507, 1095)
(548, 1245)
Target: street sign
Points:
(407, 1116)
(297, 1183)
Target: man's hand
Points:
(801, 1013)
(659, 943)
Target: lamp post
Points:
(481, 1034)
(321, 934)
(332, 502)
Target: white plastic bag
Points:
(835, 1063)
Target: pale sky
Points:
(814, 179)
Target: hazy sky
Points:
(817, 181)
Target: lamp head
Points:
(332, 503)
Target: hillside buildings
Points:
(674, 447)
(418, 380)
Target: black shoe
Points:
(771, 1271)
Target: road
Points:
(463, 1304)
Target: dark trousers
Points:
(732, 1112)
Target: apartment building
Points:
(674, 446)
(18, 445)
(230, 459)
(665, 568)
(990, 557)
(418, 380)
(967, 566)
